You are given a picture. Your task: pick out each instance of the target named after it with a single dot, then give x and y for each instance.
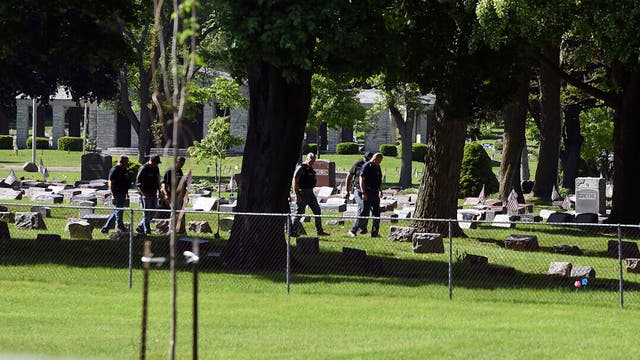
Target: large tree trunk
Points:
(438, 192)
(278, 110)
(626, 167)
(572, 139)
(513, 140)
(405, 128)
(550, 127)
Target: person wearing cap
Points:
(119, 184)
(148, 182)
(304, 180)
(180, 188)
(370, 189)
(351, 187)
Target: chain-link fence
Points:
(517, 261)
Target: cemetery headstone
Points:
(30, 221)
(476, 259)
(427, 243)
(567, 249)
(560, 268)
(307, 245)
(583, 272)
(44, 211)
(521, 242)
(401, 233)
(557, 217)
(325, 173)
(629, 249)
(204, 203)
(200, 227)
(95, 166)
(590, 195)
(633, 265)
(586, 218)
(79, 229)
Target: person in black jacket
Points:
(148, 182)
(304, 180)
(353, 184)
(370, 189)
(119, 184)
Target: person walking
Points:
(180, 188)
(353, 184)
(148, 182)
(370, 189)
(119, 184)
(304, 180)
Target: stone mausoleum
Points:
(109, 129)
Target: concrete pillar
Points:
(239, 124)
(22, 122)
(57, 131)
(334, 137)
(208, 113)
(380, 134)
(106, 127)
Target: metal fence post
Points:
(288, 235)
(130, 248)
(621, 284)
(450, 262)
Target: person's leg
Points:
(143, 206)
(362, 216)
(120, 201)
(358, 223)
(375, 211)
(315, 208)
(149, 213)
(110, 221)
(363, 222)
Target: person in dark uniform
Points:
(304, 180)
(353, 184)
(119, 184)
(370, 189)
(180, 190)
(148, 182)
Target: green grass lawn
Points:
(72, 298)
(251, 316)
(231, 165)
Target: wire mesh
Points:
(476, 260)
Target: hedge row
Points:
(6, 142)
(70, 143)
(41, 142)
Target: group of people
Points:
(151, 187)
(364, 182)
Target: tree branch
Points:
(609, 98)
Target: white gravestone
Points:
(590, 195)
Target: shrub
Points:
(310, 147)
(347, 148)
(6, 142)
(70, 143)
(476, 171)
(389, 150)
(418, 152)
(41, 142)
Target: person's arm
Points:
(361, 187)
(139, 183)
(348, 185)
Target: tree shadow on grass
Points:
(329, 266)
